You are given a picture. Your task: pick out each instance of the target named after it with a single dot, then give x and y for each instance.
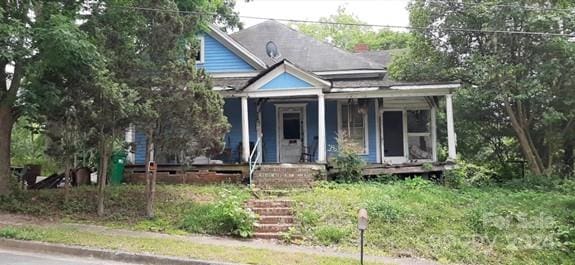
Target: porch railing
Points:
(254, 162)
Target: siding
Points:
(141, 142)
(219, 59)
(286, 81)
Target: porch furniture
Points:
(308, 153)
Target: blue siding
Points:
(331, 131)
(286, 81)
(141, 145)
(219, 59)
(269, 129)
(233, 111)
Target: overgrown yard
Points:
(487, 225)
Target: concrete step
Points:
(271, 228)
(276, 219)
(275, 211)
(267, 235)
(270, 203)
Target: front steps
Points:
(275, 217)
(287, 176)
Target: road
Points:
(10, 257)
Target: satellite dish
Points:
(272, 50)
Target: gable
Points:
(219, 59)
(286, 81)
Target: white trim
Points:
(279, 124)
(287, 67)
(233, 45)
(350, 89)
(350, 72)
(233, 74)
(245, 130)
(321, 141)
(130, 137)
(365, 125)
(433, 134)
(451, 141)
(386, 93)
(377, 132)
(418, 87)
(202, 50)
(394, 159)
(276, 93)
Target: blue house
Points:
(288, 96)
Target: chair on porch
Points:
(308, 152)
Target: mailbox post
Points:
(362, 226)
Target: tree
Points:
(340, 31)
(519, 73)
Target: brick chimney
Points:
(361, 47)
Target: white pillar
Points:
(450, 128)
(245, 131)
(131, 138)
(433, 134)
(321, 148)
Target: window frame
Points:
(365, 125)
(202, 50)
(429, 133)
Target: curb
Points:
(118, 256)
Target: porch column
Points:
(451, 141)
(130, 138)
(321, 148)
(245, 131)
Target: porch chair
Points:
(308, 152)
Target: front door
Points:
(291, 134)
(393, 140)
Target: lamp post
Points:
(362, 226)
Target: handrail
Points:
(258, 154)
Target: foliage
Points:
(227, 216)
(328, 235)
(467, 174)
(469, 225)
(28, 145)
(348, 162)
(21, 233)
(517, 95)
(348, 36)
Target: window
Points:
(419, 134)
(200, 50)
(353, 122)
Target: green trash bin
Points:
(117, 168)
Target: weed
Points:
(328, 235)
(20, 233)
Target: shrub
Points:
(348, 161)
(467, 174)
(226, 217)
(328, 234)
(417, 183)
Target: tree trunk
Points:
(103, 175)
(6, 124)
(568, 157)
(525, 142)
(67, 177)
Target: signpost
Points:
(362, 226)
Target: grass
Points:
(513, 224)
(487, 225)
(168, 247)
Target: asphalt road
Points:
(9, 257)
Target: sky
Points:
(381, 12)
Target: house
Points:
(287, 97)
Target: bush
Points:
(417, 183)
(226, 217)
(348, 161)
(328, 234)
(467, 174)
